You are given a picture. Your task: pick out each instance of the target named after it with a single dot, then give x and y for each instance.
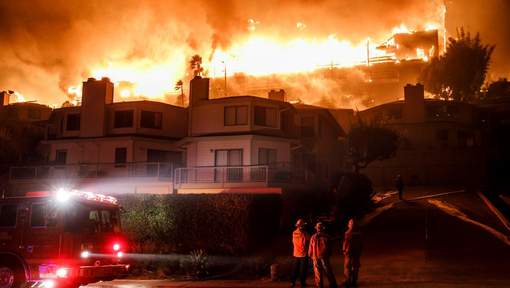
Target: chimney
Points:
(414, 103)
(96, 94)
(276, 95)
(198, 90)
(4, 98)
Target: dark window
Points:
(307, 127)
(120, 156)
(267, 156)
(123, 119)
(61, 156)
(8, 215)
(73, 122)
(265, 116)
(235, 115)
(38, 215)
(151, 119)
(34, 114)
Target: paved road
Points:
(414, 244)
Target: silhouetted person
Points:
(300, 241)
(399, 185)
(319, 251)
(353, 244)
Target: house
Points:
(242, 144)
(107, 145)
(440, 141)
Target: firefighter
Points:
(319, 251)
(352, 252)
(399, 185)
(300, 241)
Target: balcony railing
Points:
(160, 170)
(237, 176)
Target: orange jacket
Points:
(300, 241)
(319, 246)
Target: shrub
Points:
(218, 223)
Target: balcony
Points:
(154, 170)
(238, 177)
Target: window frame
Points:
(60, 151)
(157, 124)
(116, 120)
(120, 163)
(237, 115)
(76, 121)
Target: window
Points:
(151, 119)
(232, 157)
(73, 122)
(8, 215)
(265, 116)
(267, 156)
(61, 156)
(120, 156)
(34, 114)
(37, 216)
(307, 127)
(235, 115)
(123, 119)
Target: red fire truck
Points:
(60, 239)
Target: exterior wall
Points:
(443, 148)
(208, 117)
(201, 151)
(102, 150)
(174, 122)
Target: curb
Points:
(495, 210)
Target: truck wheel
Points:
(6, 277)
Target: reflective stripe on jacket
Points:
(300, 241)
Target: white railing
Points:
(131, 169)
(238, 176)
(217, 176)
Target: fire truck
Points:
(60, 239)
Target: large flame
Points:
(254, 55)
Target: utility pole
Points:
(225, 70)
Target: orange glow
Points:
(253, 55)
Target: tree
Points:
(196, 65)
(368, 143)
(460, 72)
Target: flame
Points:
(254, 55)
(18, 97)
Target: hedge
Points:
(216, 223)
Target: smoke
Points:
(49, 46)
(490, 19)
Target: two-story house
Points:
(440, 140)
(110, 146)
(243, 143)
